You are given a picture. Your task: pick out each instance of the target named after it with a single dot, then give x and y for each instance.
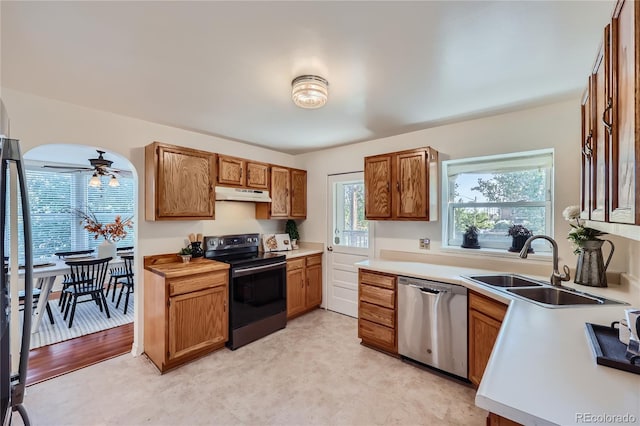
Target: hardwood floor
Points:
(53, 360)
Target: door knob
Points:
(330, 248)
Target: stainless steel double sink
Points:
(540, 293)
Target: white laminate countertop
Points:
(292, 254)
(542, 370)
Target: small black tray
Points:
(608, 349)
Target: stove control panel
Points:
(227, 242)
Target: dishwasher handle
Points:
(428, 289)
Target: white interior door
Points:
(349, 240)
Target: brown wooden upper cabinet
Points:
(612, 156)
(624, 206)
(244, 173)
(179, 183)
(402, 185)
(288, 195)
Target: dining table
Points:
(45, 273)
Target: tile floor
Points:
(314, 372)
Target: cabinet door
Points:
(625, 204)
(295, 292)
(257, 175)
(314, 284)
(184, 184)
(483, 332)
(377, 186)
(587, 149)
(600, 160)
(410, 197)
(280, 201)
(230, 171)
(298, 193)
(197, 320)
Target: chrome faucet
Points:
(556, 277)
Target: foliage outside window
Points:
(54, 199)
(495, 193)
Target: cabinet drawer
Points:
(197, 282)
(378, 280)
(314, 260)
(376, 333)
(378, 296)
(377, 314)
(489, 307)
(295, 264)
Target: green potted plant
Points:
(519, 235)
(185, 254)
(470, 238)
(292, 229)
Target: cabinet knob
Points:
(330, 248)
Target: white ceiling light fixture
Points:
(309, 91)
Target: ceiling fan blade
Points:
(122, 173)
(67, 168)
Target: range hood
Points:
(240, 194)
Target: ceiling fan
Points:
(99, 166)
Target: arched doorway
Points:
(64, 180)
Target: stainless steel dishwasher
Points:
(432, 324)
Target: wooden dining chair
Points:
(126, 282)
(87, 279)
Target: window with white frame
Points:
(495, 192)
(55, 197)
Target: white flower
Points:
(571, 213)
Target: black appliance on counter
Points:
(257, 286)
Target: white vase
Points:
(106, 249)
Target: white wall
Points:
(555, 126)
(37, 121)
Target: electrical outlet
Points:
(424, 243)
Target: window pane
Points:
(525, 185)
(54, 199)
(494, 193)
(352, 229)
(494, 222)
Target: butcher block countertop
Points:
(171, 266)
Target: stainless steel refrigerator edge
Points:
(12, 385)
(432, 324)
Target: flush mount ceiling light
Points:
(309, 91)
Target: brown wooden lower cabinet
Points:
(304, 284)
(377, 315)
(185, 309)
(485, 319)
(496, 420)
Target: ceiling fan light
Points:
(309, 91)
(113, 182)
(95, 181)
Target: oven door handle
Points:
(240, 272)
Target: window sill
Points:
(495, 253)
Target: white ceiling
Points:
(225, 68)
